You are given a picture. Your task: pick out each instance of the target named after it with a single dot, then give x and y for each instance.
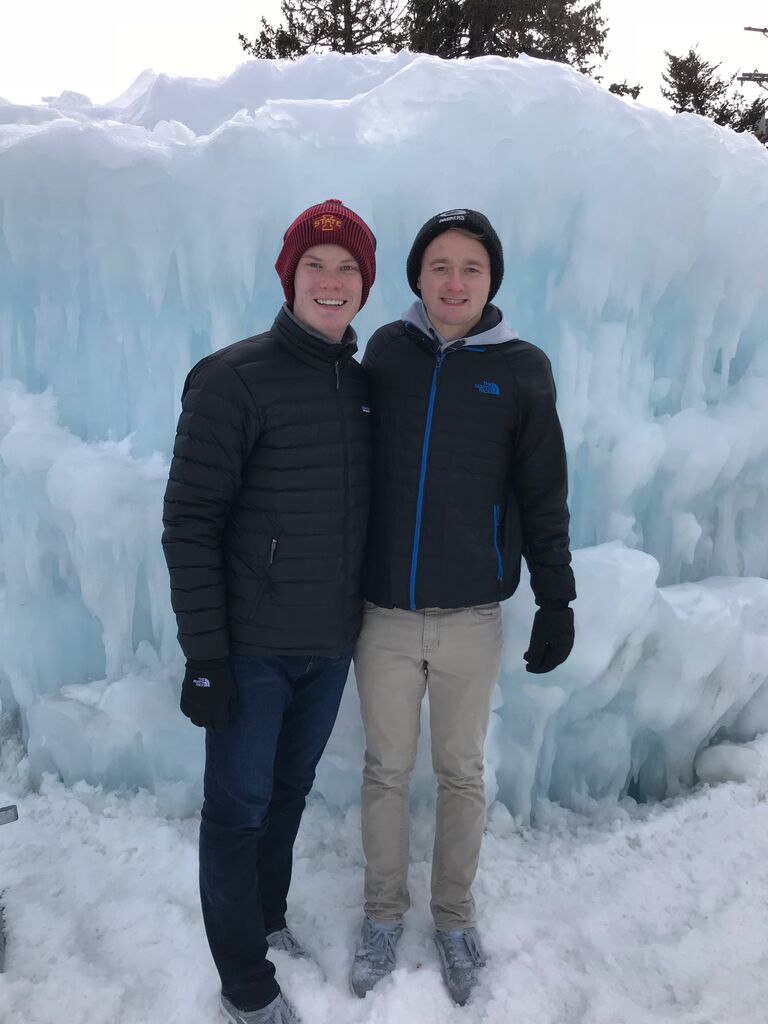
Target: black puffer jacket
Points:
(469, 470)
(266, 506)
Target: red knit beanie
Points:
(327, 223)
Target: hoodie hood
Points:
(492, 329)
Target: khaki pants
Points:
(455, 655)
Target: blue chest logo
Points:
(488, 388)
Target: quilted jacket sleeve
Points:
(540, 480)
(217, 429)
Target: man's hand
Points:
(207, 693)
(551, 639)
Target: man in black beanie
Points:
(469, 474)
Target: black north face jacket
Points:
(469, 468)
(266, 505)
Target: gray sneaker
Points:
(375, 955)
(286, 941)
(279, 1011)
(462, 958)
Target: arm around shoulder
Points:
(378, 342)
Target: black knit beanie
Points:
(466, 220)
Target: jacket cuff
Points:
(553, 586)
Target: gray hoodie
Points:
(416, 314)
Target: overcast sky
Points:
(98, 47)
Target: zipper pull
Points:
(336, 368)
(272, 550)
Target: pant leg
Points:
(238, 788)
(389, 668)
(307, 725)
(462, 672)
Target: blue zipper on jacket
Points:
(423, 470)
(499, 562)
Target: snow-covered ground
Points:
(650, 914)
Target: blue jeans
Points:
(258, 772)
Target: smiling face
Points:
(454, 282)
(328, 288)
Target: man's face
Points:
(454, 283)
(328, 287)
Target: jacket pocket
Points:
(496, 546)
(263, 583)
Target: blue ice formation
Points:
(137, 236)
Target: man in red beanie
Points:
(265, 517)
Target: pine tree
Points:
(625, 89)
(342, 26)
(570, 31)
(694, 87)
(751, 117)
(436, 27)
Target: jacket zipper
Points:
(423, 469)
(499, 562)
(422, 477)
(345, 447)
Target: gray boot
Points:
(375, 955)
(279, 1011)
(286, 941)
(462, 959)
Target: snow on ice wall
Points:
(132, 243)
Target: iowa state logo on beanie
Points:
(327, 222)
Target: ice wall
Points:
(136, 237)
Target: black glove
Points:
(207, 693)
(551, 639)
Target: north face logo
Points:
(488, 388)
(202, 681)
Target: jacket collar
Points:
(309, 346)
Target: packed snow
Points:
(649, 914)
(138, 236)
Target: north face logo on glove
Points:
(202, 681)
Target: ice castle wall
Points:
(136, 238)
